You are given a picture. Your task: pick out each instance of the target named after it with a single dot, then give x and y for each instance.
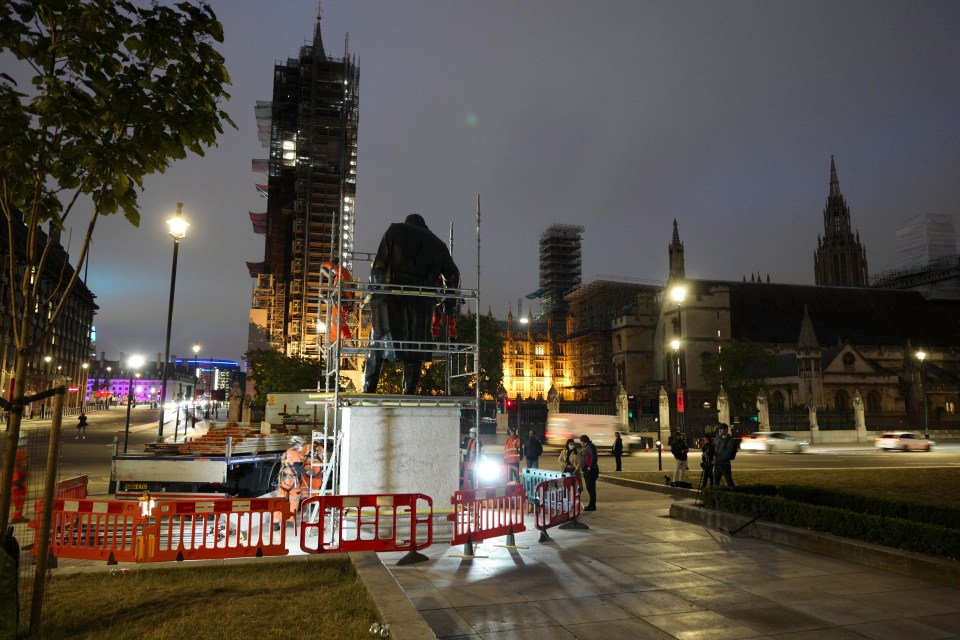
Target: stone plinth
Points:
(401, 449)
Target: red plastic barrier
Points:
(558, 501)
(206, 529)
(487, 513)
(96, 530)
(366, 523)
(75, 487)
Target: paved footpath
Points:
(639, 574)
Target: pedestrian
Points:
(617, 449)
(512, 449)
(569, 460)
(290, 481)
(707, 455)
(725, 450)
(81, 426)
(471, 450)
(589, 461)
(533, 450)
(679, 449)
(409, 255)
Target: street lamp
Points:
(178, 230)
(679, 293)
(922, 356)
(135, 362)
(83, 386)
(196, 377)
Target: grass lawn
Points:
(309, 599)
(930, 486)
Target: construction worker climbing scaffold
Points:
(332, 272)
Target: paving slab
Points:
(638, 573)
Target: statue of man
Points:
(409, 255)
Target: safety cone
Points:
(647, 446)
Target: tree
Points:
(740, 368)
(106, 93)
(275, 372)
(491, 360)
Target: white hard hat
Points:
(296, 440)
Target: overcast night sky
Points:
(619, 116)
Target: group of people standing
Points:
(716, 454)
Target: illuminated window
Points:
(538, 350)
(518, 369)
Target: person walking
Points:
(707, 455)
(81, 426)
(725, 450)
(617, 449)
(591, 470)
(533, 450)
(679, 449)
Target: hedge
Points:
(769, 503)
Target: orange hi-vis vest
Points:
(511, 450)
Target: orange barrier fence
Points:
(400, 522)
(486, 513)
(210, 529)
(75, 487)
(148, 531)
(96, 530)
(557, 504)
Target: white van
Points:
(600, 429)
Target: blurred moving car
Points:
(561, 426)
(903, 441)
(772, 441)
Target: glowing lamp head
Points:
(678, 293)
(675, 344)
(178, 224)
(135, 362)
(921, 356)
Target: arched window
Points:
(841, 400)
(776, 401)
(873, 402)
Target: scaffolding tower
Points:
(561, 267)
(344, 335)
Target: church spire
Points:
(317, 38)
(808, 337)
(677, 268)
(834, 181)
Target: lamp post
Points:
(178, 230)
(922, 356)
(135, 362)
(196, 378)
(678, 293)
(83, 386)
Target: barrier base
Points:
(544, 537)
(412, 557)
(573, 524)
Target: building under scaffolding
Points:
(592, 309)
(310, 130)
(560, 271)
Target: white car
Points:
(903, 441)
(772, 441)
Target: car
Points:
(772, 441)
(903, 441)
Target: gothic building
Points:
(840, 259)
(310, 130)
(534, 359)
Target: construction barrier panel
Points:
(390, 522)
(557, 502)
(96, 530)
(479, 514)
(75, 487)
(209, 529)
(533, 477)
